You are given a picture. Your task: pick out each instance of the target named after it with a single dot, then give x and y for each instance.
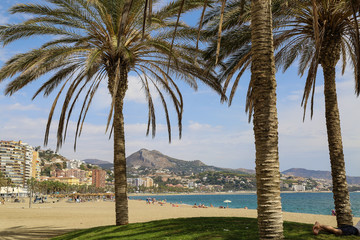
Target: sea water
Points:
(300, 202)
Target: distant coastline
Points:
(216, 193)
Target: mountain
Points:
(156, 160)
(301, 172)
(249, 171)
(100, 163)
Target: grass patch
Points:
(194, 228)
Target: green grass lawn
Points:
(194, 228)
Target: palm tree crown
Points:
(90, 46)
(336, 26)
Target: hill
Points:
(156, 160)
(301, 172)
(100, 163)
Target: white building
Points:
(28, 158)
(298, 188)
(74, 164)
(137, 182)
(16, 161)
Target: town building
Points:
(36, 168)
(298, 188)
(67, 180)
(137, 182)
(74, 164)
(98, 178)
(16, 162)
(82, 175)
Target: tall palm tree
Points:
(322, 32)
(256, 50)
(95, 41)
(263, 102)
(2, 180)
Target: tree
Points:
(95, 41)
(2, 179)
(263, 102)
(31, 184)
(322, 32)
(243, 45)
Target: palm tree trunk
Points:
(340, 187)
(265, 122)
(121, 200)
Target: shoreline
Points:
(216, 193)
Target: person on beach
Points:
(333, 213)
(344, 230)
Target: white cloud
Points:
(195, 126)
(294, 97)
(136, 90)
(20, 107)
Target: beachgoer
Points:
(333, 213)
(3, 201)
(344, 230)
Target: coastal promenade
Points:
(46, 220)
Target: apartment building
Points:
(36, 168)
(98, 177)
(74, 164)
(67, 180)
(137, 182)
(16, 161)
(82, 175)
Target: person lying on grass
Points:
(344, 230)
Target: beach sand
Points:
(43, 221)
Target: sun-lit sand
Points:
(42, 221)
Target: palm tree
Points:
(335, 36)
(95, 41)
(261, 99)
(263, 103)
(2, 180)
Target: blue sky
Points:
(212, 132)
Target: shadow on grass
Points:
(193, 228)
(21, 232)
(183, 228)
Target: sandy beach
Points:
(43, 221)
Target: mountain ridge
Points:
(154, 159)
(101, 163)
(320, 174)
